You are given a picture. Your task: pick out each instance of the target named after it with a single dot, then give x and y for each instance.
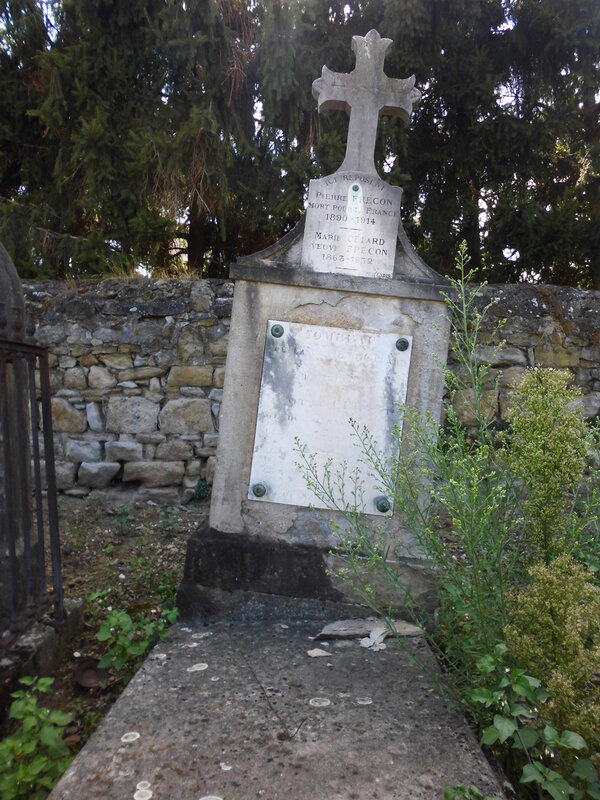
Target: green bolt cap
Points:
(277, 331)
(402, 345)
(382, 504)
(259, 490)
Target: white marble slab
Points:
(314, 379)
(351, 225)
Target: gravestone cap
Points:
(13, 322)
(365, 94)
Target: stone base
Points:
(231, 574)
(37, 652)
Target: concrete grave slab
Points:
(240, 710)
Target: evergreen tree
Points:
(168, 132)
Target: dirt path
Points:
(133, 555)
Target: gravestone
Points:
(339, 320)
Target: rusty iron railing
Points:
(29, 538)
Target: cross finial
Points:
(365, 94)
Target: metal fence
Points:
(30, 568)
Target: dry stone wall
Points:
(544, 326)
(137, 371)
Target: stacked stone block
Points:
(544, 326)
(137, 371)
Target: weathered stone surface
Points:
(74, 395)
(190, 347)
(141, 373)
(117, 360)
(201, 297)
(590, 404)
(150, 438)
(75, 378)
(56, 379)
(542, 318)
(65, 474)
(124, 451)
(78, 451)
(185, 416)
(67, 418)
(174, 450)
(559, 357)
(464, 405)
(77, 491)
(190, 376)
(512, 375)
(193, 468)
(131, 415)
(97, 475)
(211, 439)
(101, 378)
(223, 306)
(162, 496)
(219, 348)
(154, 473)
(209, 475)
(219, 377)
(507, 356)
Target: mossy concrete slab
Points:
(225, 711)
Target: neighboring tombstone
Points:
(340, 319)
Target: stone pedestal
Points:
(283, 548)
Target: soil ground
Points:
(133, 554)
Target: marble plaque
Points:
(314, 380)
(351, 225)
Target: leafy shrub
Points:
(33, 759)
(449, 480)
(129, 640)
(480, 508)
(547, 450)
(517, 708)
(555, 634)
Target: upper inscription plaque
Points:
(352, 216)
(351, 225)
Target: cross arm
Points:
(330, 91)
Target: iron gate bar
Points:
(57, 583)
(17, 381)
(7, 505)
(23, 466)
(37, 480)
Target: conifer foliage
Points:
(181, 133)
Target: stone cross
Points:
(365, 94)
